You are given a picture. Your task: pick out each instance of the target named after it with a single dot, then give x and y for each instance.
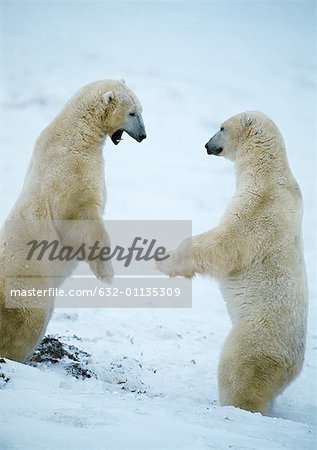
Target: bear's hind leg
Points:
(249, 378)
(21, 331)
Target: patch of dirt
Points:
(52, 351)
(3, 377)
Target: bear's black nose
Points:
(213, 150)
(209, 151)
(141, 137)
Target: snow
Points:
(192, 64)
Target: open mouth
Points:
(117, 137)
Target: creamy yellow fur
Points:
(65, 181)
(256, 254)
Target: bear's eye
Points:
(132, 114)
(221, 128)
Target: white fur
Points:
(65, 181)
(256, 254)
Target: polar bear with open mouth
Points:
(65, 182)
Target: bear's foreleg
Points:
(217, 252)
(90, 231)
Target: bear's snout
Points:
(141, 137)
(213, 149)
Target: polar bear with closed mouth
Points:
(65, 182)
(256, 255)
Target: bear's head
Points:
(241, 134)
(114, 108)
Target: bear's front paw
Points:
(167, 266)
(103, 270)
(179, 262)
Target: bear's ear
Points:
(108, 97)
(123, 81)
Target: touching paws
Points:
(179, 262)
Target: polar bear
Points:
(65, 182)
(256, 255)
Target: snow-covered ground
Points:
(192, 64)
